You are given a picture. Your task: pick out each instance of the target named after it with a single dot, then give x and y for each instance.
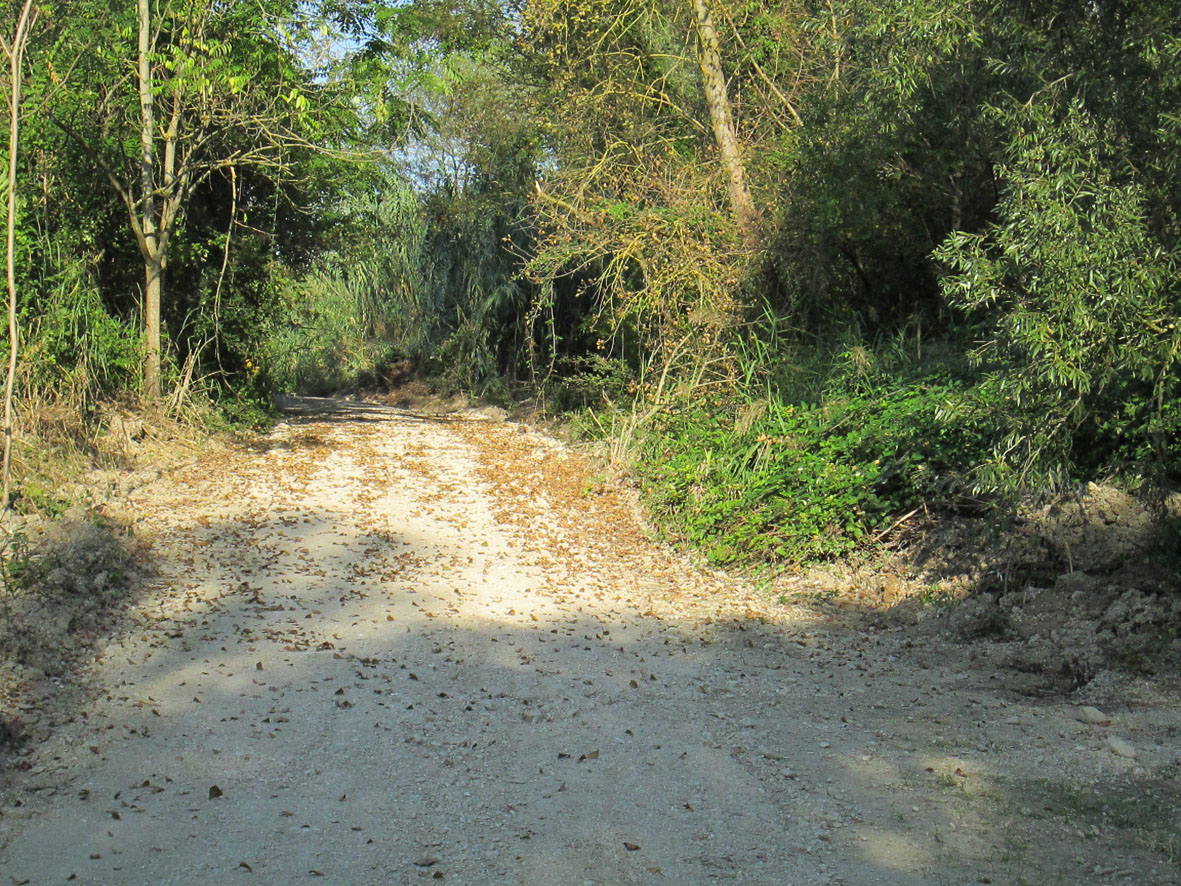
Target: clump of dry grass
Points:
(64, 431)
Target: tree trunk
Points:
(717, 99)
(153, 289)
(150, 243)
(15, 53)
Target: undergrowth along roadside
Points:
(63, 434)
(791, 461)
(773, 479)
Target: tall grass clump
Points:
(331, 342)
(75, 356)
(77, 393)
(360, 308)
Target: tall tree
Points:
(650, 209)
(216, 86)
(717, 100)
(152, 229)
(14, 50)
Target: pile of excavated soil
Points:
(1065, 592)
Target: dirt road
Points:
(388, 647)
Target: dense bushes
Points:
(775, 478)
(998, 181)
(969, 224)
(1078, 304)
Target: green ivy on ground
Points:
(775, 480)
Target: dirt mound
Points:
(1071, 588)
(1099, 530)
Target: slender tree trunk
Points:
(153, 288)
(717, 99)
(16, 53)
(150, 245)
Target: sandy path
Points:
(388, 648)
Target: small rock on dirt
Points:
(1093, 716)
(1121, 747)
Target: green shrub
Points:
(330, 341)
(588, 382)
(797, 481)
(68, 331)
(1079, 306)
